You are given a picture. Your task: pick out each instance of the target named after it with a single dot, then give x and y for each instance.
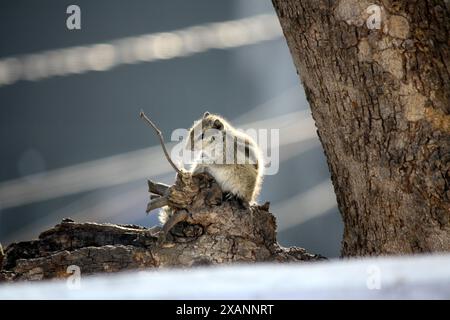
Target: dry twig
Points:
(161, 140)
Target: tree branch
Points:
(204, 230)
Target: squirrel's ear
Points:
(218, 124)
(206, 114)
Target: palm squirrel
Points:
(232, 157)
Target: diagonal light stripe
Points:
(305, 206)
(86, 176)
(144, 48)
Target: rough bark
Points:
(381, 102)
(213, 232)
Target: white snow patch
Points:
(425, 276)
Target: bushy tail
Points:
(164, 214)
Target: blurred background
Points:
(72, 144)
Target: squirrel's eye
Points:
(213, 138)
(202, 136)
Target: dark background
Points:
(66, 120)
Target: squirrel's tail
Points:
(164, 214)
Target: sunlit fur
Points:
(240, 179)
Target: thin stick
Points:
(161, 140)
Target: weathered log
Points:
(213, 231)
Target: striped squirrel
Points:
(232, 157)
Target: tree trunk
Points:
(213, 232)
(380, 96)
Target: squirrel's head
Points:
(212, 121)
(205, 132)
